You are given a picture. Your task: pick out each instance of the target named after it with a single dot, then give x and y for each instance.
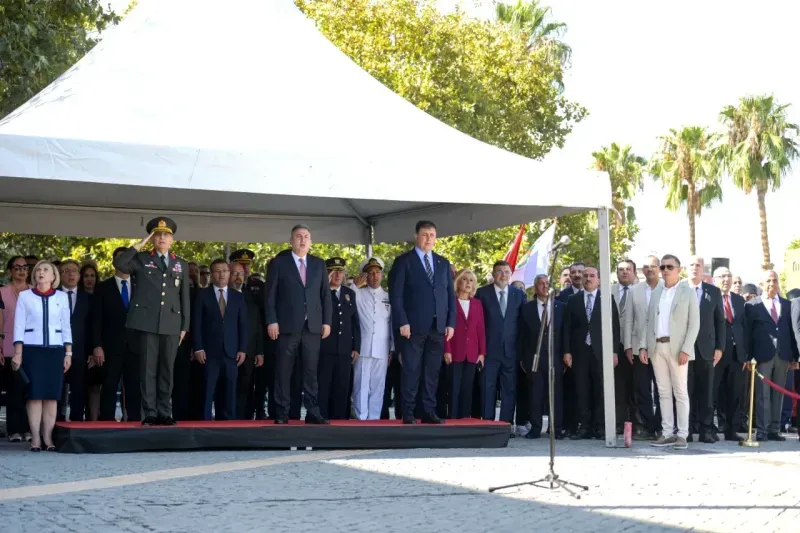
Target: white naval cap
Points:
(370, 262)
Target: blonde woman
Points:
(465, 352)
(43, 349)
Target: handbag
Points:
(22, 377)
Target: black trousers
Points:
(334, 384)
(645, 395)
(76, 378)
(16, 414)
(220, 376)
(291, 347)
(462, 384)
(422, 360)
(522, 406)
(392, 389)
(157, 355)
(123, 365)
(570, 398)
(701, 395)
(623, 389)
(539, 393)
(183, 386)
(264, 386)
(442, 394)
(589, 384)
(245, 381)
(728, 387)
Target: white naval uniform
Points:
(369, 372)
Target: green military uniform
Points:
(158, 313)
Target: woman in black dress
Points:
(95, 372)
(43, 349)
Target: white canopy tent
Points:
(240, 122)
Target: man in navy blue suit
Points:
(81, 305)
(423, 302)
(575, 282)
(538, 382)
(220, 339)
(771, 342)
(502, 305)
(298, 310)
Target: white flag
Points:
(536, 260)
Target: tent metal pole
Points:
(368, 240)
(604, 264)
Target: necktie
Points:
(728, 310)
(163, 263)
(126, 298)
(589, 307)
(71, 305)
(623, 300)
(303, 271)
(774, 313)
(503, 303)
(428, 268)
(221, 303)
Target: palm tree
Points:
(625, 170)
(532, 19)
(759, 153)
(688, 167)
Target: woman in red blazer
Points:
(466, 350)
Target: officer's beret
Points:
(242, 256)
(335, 263)
(162, 225)
(372, 261)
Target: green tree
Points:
(539, 32)
(687, 167)
(625, 172)
(41, 39)
(761, 145)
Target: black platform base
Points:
(118, 437)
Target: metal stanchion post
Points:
(750, 442)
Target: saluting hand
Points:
(141, 244)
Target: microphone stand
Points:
(551, 480)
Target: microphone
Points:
(565, 240)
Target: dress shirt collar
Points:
(338, 291)
(224, 292)
(297, 259)
(422, 254)
(497, 291)
(769, 303)
(593, 293)
(69, 289)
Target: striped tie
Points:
(428, 268)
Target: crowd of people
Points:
(171, 340)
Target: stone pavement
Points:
(715, 488)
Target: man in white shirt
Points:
(672, 325)
(377, 345)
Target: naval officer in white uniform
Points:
(377, 345)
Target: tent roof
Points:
(239, 123)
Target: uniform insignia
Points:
(172, 256)
(347, 297)
(245, 256)
(177, 268)
(177, 282)
(151, 265)
(162, 223)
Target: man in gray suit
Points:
(634, 335)
(673, 321)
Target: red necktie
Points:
(728, 310)
(774, 313)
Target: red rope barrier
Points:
(777, 387)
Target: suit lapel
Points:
(460, 311)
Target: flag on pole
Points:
(513, 252)
(536, 259)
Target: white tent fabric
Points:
(240, 122)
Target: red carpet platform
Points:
(118, 437)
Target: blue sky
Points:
(642, 68)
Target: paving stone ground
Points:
(714, 488)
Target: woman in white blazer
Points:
(43, 349)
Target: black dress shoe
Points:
(707, 438)
(760, 437)
(581, 434)
(715, 436)
(166, 421)
(776, 437)
(560, 435)
(734, 437)
(281, 420)
(643, 435)
(431, 418)
(409, 420)
(261, 415)
(533, 435)
(149, 421)
(317, 420)
(690, 438)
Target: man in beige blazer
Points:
(673, 321)
(634, 321)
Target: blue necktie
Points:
(126, 301)
(428, 268)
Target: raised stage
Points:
(117, 437)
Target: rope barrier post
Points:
(750, 443)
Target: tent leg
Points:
(604, 263)
(368, 241)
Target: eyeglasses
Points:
(667, 267)
(20, 268)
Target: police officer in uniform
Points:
(158, 315)
(339, 351)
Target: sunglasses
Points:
(667, 267)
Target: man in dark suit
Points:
(729, 374)
(220, 339)
(113, 347)
(708, 350)
(298, 312)
(339, 351)
(245, 381)
(538, 379)
(571, 415)
(81, 304)
(575, 282)
(502, 305)
(423, 301)
(771, 341)
(583, 352)
(159, 315)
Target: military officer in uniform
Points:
(377, 345)
(339, 350)
(158, 315)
